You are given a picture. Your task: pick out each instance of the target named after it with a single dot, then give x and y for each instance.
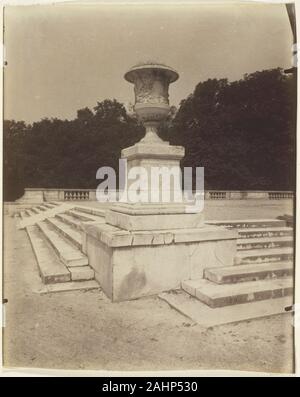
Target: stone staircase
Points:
(263, 266)
(54, 231)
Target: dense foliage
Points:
(242, 132)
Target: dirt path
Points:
(83, 330)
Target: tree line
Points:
(243, 133)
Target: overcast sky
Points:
(65, 57)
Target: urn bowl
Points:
(151, 86)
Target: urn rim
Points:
(168, 71)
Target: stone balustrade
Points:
(280, 195)
(247, 194)
(215, 195)
(35, 195)
(74, 195)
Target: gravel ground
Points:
(83, 330)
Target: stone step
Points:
(91, 210)
(264, 242)
(49, 205)
(249, 223)
(68, 254)
(207, 317)
(34, 211)
(85, 216)
(29, 212)
(24, 215)
(81, 273)
(42, 208)
(254, 232)
(79, 215)
(71, 286)
(18, 218)
(42, 215)
(67, 232)
(264, 255)
(219, 295)
(51, 269)
(70, 220)
(242, 273)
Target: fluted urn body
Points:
(151, 88)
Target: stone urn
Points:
(151, 88)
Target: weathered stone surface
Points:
(149, 208)
(115, 237)
(86, 216)
(154, 222)
(264, 242)
(100, 259)
(264, 255)
(153, 151)
(148, 255)
(90, 210)
(265, 232)
(71, 286)
(211, 253)
(206, 316)
(70, 220)
(50, 268)
(96, 229)
(151, 84)
(82, 273)
(32, 196)
(234, 274)
(74, 236)
(68, 254)
(249, 223)
(140, 271)
(216, 295)
(51, 212)
(205, 233)
(153, 261)
(158, 239)
(142, 239)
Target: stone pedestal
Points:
(151, 245)
(146, 248)
(147, 217)
(156, 160)
(131, 264)
(169, 212)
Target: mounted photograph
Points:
(149, 186)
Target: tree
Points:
(66, 154)
(242, 132)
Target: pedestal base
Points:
(146, 248)
(152, 217)
(132, 264)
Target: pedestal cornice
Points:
(153, 151)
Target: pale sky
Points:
(65, 57)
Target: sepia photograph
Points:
(149, 187)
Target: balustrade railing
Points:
(280, 195)
(39, 195)
(76, 195)
(217, 195)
